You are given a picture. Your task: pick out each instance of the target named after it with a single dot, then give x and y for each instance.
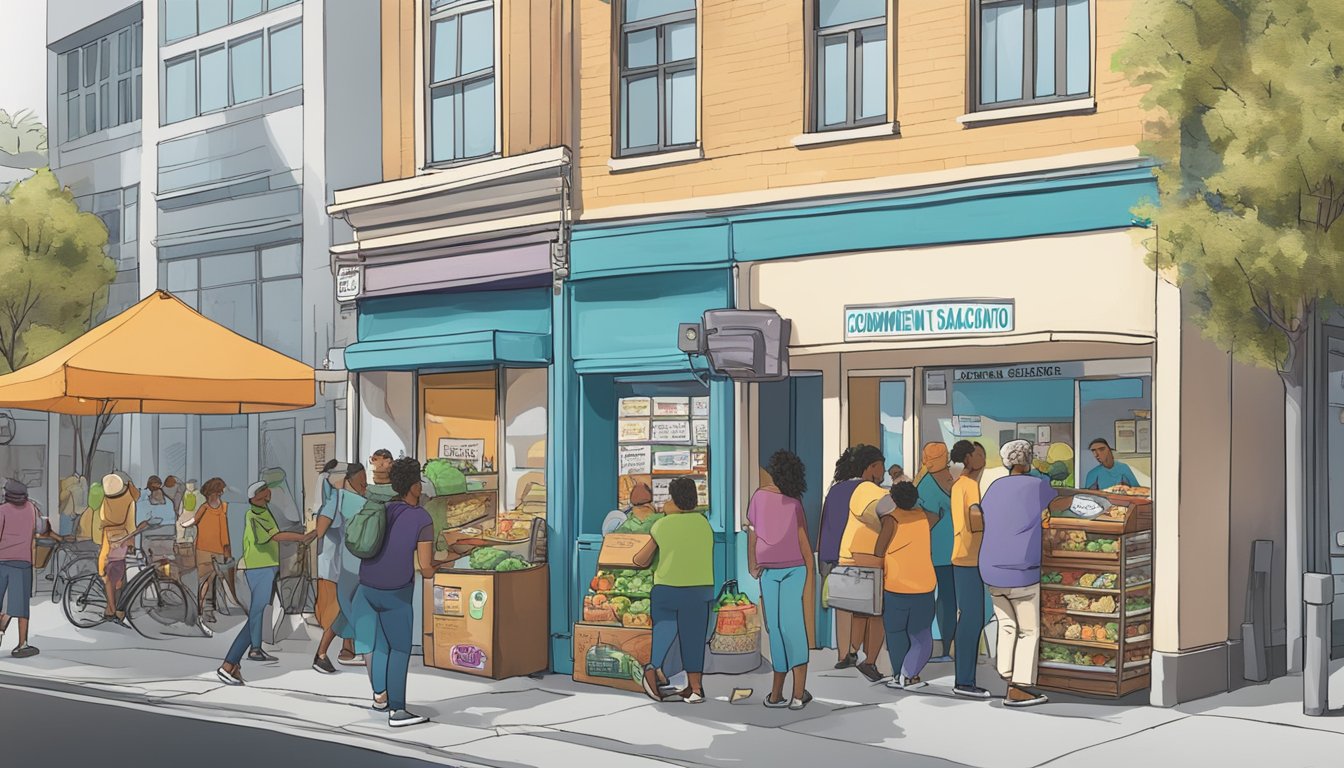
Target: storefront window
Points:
(662, 434)
(1118, 411)
(525, 440)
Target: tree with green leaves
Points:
(1247, 106)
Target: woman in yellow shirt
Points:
(909, 581)
(857, 545)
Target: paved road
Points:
(38, 729)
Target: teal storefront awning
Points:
(453, 330)
(480, 348)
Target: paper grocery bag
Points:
(626, 550)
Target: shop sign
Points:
(348, 283)
(942, 318)
(966, 426)
(1023, 372)
(463, 452)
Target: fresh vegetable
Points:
(621, 605)
(486, 558)
(638, 607)
(511, 564)
(447, 479)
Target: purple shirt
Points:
(394, 566)
(834, 517)
(776, 519)
(18, 524)
(1010, 555)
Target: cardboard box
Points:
(626, 550)
(611, 656)
(488, 624)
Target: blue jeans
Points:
(946, 607)
(681, 612)
(908, 620)
(16, 587)
(393, 629)
(261, 585)
(970, 620)
(782, 592)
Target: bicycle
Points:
(69, 561)
(152, 601)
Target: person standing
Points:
(834, 516)
(117, 515)
(897, 474)
(358, 617)
(211, 523)
(1108, 473)
(857, 546)
(935, 495)
(968, 526)
(157, 505)
(908, 584)
(21, 524)
(381, 464)
(260, 563)
(683, 590)
(1015, 508)
(335, 567)
(387, 586)
(779, 555)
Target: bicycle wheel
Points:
(81, 565)
(160, 609)
(296, 595)
(85, 601)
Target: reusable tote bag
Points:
(856, 589)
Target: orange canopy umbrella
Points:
(160, 356)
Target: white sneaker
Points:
(356, 661)
(401, 719)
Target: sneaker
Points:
(380, 703)
(971, 692)
(798, 704)
(870, 671)
(782, 703)
(323, 664)
(261, 657)
(209, 618)
(234, 678)
(24, 652)
(400, 718)
(693, 697)
(944, 659)
(901, 683)
(350, 661)
(650, 683)
(852, 660)
(1021, 697)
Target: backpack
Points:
(366, 530)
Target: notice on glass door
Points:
(671, 406)
(635, 460)
(636, 407)
(700, 407)
(700, 431)
(671, 431)
(671, 460)
(632, 430)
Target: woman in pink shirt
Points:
(779, 555)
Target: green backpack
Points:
(366, 531)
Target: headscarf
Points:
(933, 461)
(1016, 453)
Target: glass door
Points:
(1334, 429)
(880, 414)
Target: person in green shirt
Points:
(260, 564)
(683, 589)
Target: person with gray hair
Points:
(1015, 508)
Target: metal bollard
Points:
(1318, 594)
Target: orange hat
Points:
(935, 458)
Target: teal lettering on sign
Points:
(953, 318)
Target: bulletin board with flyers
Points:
(661, 437)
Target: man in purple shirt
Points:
(1010, 563)
(387, 588)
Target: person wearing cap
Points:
(21, 524)
(935, 495)
(336, 567)
(260, 563)
(117, 514)
(1014, 509)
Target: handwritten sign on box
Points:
(661, 491)
(671, 406)
(464, 451)
(635, 460)
(633, 430)
(700, 431)
(636, 406)
(671, 431)
(675, 460)
(700, 406)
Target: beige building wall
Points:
(753, 72)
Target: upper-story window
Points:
(657, 76)
(461, 81)
(851, 63)
(187, 18)
(1031, 51)
(101, 83)
(241, 70)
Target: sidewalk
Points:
(556, 722)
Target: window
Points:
(286, 58)
(461, 81)
(657, 84)
(851, 63)
(214, 80)
(179, 20)
(1031, 51)
(232, 74)
(213, 14)
(245, 69)
(130, 228)
(245, 9)
(180, 89)
(99, 84)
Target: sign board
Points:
(672, 460)
(636, 406)
(671, 406)
(1023, 372)
(632, 430)
(966, 426)
(466, 452)
(318, 449)
(348, 283)
(970, 317)
(635, 460)
(700, 431)
(671, 431)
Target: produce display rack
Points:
(1096, 600)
